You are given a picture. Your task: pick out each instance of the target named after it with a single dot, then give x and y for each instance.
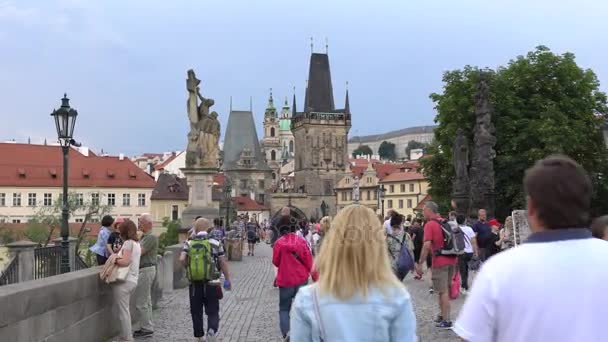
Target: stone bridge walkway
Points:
(249, 313)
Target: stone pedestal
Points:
(24, 251)
(200, 183)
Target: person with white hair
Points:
(147, 272)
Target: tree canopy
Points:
(544, 104)
(363, 150)
(387, 151)
(413, 145)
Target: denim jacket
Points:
(378, 318)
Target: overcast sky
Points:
(123, 62)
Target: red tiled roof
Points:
(403, 176)
(382, 170)
(25, 165)
(420, 205)
(245, 203)
(162, 165)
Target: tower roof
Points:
(240, 135)
(270, 109)
(319, 93)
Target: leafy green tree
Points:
(413, 145)
(363, 150)
(544, 103)
(171, 236)
(387, 151)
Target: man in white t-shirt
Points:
(553, 286)
(470, 250)
(387, 224)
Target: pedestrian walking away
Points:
(538, 291)
(203, 258)
(147, 272)
(471, 250)
(357, 297)
(292, 256)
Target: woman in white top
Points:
(121, 290)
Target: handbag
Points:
(121, 272)
(455, 286)
(315, 301)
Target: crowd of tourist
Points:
(341, 279)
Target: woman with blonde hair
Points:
(357, 297)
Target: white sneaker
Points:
(211, 336)
(463, 292)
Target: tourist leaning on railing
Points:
(100, 248)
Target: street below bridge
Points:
(249, 313)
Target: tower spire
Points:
(270, 100)
(312, 45)
(251, 104)
(326, 45)
(231, 103)
(293, 109)
(347, 102)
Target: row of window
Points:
(245, 184)
(347, 195)
(368, 179)
(391, 188)
(409, 204)
(47, 199)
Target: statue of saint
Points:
(461, 160)
(356, 189)
(203, 138)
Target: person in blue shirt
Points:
(357, 297)
(100, 247)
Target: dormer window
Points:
(132, 174)
(21, 172)
(85, 173)
(110, 173)
(53, 173)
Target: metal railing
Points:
(79, 264)
(10, 275)
(47, 261)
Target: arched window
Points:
(273, 155)
(272, 131)
(291, 146)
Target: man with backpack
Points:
(204, 258)
(439, 240)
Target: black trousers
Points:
(463, 261)
(101, 260)
(203, 295)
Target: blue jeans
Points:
(286, 296)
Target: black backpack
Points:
(453, 239)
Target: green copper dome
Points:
(285, 124)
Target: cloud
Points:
(72, 21)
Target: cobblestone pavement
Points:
(249, 313)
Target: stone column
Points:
(72, 241)
(24, 251)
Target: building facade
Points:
(422, 134)
(244, 164)
(31, 180)
(320, 138)
(278, 142)
(404, 190)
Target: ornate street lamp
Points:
(381, 191)
(65, 120)
(228, 199)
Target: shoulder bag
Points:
(315, 301)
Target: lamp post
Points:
(381, 198)
(65, 119)
(228, 198)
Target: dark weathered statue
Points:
(481, 173)
(460, 158)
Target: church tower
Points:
(271, 144)
(320, 133)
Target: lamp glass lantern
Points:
(65, 120)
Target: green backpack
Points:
(202, 266)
